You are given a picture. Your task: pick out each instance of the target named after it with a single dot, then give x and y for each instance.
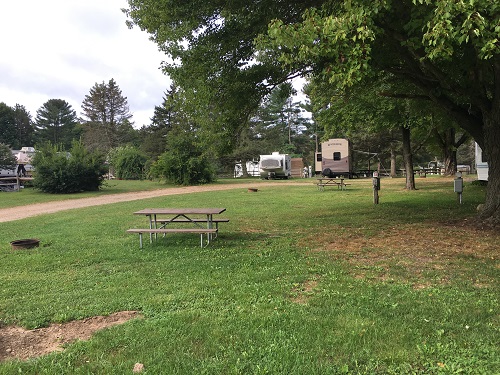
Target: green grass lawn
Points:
(298, 282)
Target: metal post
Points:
(458, 186)
(376, 187)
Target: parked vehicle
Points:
(23, 167)
(275, 166)
(252, 169)
(335, 158)
(481, 164)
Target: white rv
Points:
(481, 164)
(275, 165)
(23, 157)
(252, 169)
(334, 160)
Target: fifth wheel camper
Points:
(335, 158)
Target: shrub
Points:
(128, 162)
(59, 172)
(184, 163)
(479, 183)
(7, 159)
(193, 171)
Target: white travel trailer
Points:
(334, 159)
(481, 164)
(252, 169)
(23, 157)
(275, 165)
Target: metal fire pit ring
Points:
(27, 243)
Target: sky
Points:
(59, 49)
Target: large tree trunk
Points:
(244, 169)
(449, 146)
(393, 163)
(450, 161)
(491, 208)
(408, 158)
(449, 152)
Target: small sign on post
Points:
(376, 187)
(458, 186)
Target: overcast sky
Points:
(58, 49)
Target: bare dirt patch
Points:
(420, 254)
(303, 291)
(19, 343)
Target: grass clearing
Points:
(298, 282)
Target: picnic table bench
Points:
(201, 231)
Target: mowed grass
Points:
(298, 282)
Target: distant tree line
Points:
(177, 147)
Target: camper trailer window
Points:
(336, 156)
(318, 157)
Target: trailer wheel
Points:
(327, 172)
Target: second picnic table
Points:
(322, 182)
(202, 219)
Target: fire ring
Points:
(27, 243)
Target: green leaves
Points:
(339, 44)
(452, 24)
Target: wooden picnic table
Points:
(159, 218)
(325, 182)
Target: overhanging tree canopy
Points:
(210, 53)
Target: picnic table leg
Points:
(150, 227)
(156, 227)
(140, 240)
(209, 226)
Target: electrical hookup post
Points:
(376, 187)
(458, 186)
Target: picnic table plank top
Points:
(178, 211)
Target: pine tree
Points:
(56, 121)
(24, 126)
(7, 125)
(106, 116)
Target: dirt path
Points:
(22, 212)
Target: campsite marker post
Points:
(376, 187)
(458, 186)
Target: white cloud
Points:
(58, 49)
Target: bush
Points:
(128, 162)
(7, 159)
(184, 163)
(479, 183)
(193, 171)
(59, 172)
